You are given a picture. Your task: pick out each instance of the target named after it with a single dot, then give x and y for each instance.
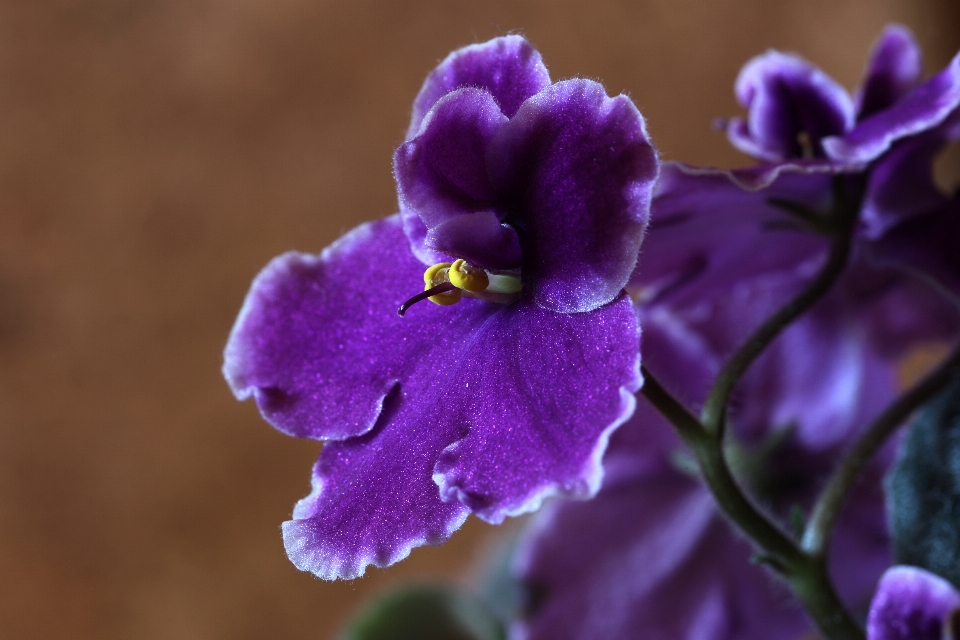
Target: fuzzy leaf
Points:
(924, 490)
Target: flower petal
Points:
(416, 232)
(911, 604)
(894, 69)
(442, 171)
(373, 498)
(508, 67)
(479, 238)
(648, 559)
(703, 224)
(540, 394)
(927, 244)
(787, 96)
(923, 108)
(318, 342)
(762, 175)
(579, 170)
(901, 185)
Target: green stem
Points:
(843, 217)
(716, 473)
(816, 537)
(804, 573)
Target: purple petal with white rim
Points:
(306, 316)
(911, 604)
(373, 497)
(442, 171)
(760, 176)
(787, 97)
(577, 170)
(894, 69)
(923, 108)
(540, 396)
(508, 67)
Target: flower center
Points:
(445, 283)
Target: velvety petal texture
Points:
(912, 604)
(507, 68)
(577, 171)
(556, 188)
(499, 405)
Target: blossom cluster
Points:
(547, 233)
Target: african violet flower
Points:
(800, 119)
(798, 122)
(526, 200)
(914, 604)
(651, 556)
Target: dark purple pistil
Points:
(423, 295)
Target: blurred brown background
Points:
(153, 156)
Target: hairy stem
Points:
(816, 537)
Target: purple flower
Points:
(531, 197)
(800, 119)
(913, 604)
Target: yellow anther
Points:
(467, 277)
(436, 275)
(446, 298)
(432, 274)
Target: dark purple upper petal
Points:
(575, 169)
(911, 604)
(321, 348)
(442, 177)
(787, 97)
(894, 69)
(508, 68)
(923, 108)
(442, 171)
(479, 238)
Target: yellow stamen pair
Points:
(446, 283)
(462, 275)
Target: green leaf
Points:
(924, 489)
(425, 612)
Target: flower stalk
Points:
(804, 570)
